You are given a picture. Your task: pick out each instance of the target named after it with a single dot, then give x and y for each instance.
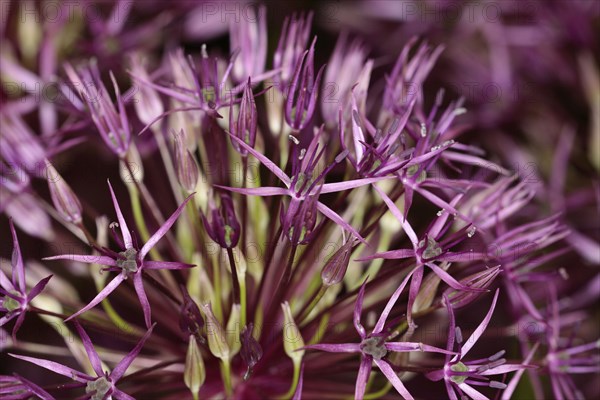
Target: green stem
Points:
(315, 300)
(218, 310)
(234, 276)
(226, 375)
(243, 302)
(168, 163)
(295, 379)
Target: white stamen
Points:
(293, 139)
(423, 129)
(302, 154)
(497, 385)
(497, 355)
(471, 231)
(458, 332)
(563, 273)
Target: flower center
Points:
(374, 347)
(99, 388)
(11, 304)
(459, 367)
(129, 261)
(433, 248)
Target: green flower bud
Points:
(194, 373)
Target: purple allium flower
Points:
(112, 123)
(15, 299)
(303, 184)
(103, 385)
(292, 43)
(339, 218)
(130, 262)
(16, 387)
(244, 127)
(375, 346)
(249, 37)
(303, 91)
(460, 375)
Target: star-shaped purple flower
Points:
(15, 300)
(301, 185)
(130, 262)
(374, 347)
(103, 385)
(426, 251)
(459, 375)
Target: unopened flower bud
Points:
(217, 341)
(223, 226)
(300, 219)
(251, 351)
(148, 105)
(194, 373)
(480, 280)
(245, 126)
(335, 268)
(292, 338)
(233, 330)
(190, 319)
(187, 168)
(63, 198)
(249, 37)
(303, 91)
(293, 40)
(131, 168)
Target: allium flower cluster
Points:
(290, 218)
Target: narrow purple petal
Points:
(390, 255)
(35, 389)
(89, 259)
(55, 367)
(335, 348)
(450, 390)
(122, 224)
(451, 325)
(5, 282)
(393, 378)
(474, 394)
(270, 165)
(141, 293)
(166, 265)
(7, 318)
(410, 346)
(37, 289)
(17, 326)
(358, 311)
(480, 329)
(89, 349)
(398, 214)
(504, 369)
(118, 372)
(329, 213)
(163, 229)
(453, 283)
(390, 304)
(413, 291)
(18, 278)
(108, 289)
(340, 186)
(366, 363)
(260, 191)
